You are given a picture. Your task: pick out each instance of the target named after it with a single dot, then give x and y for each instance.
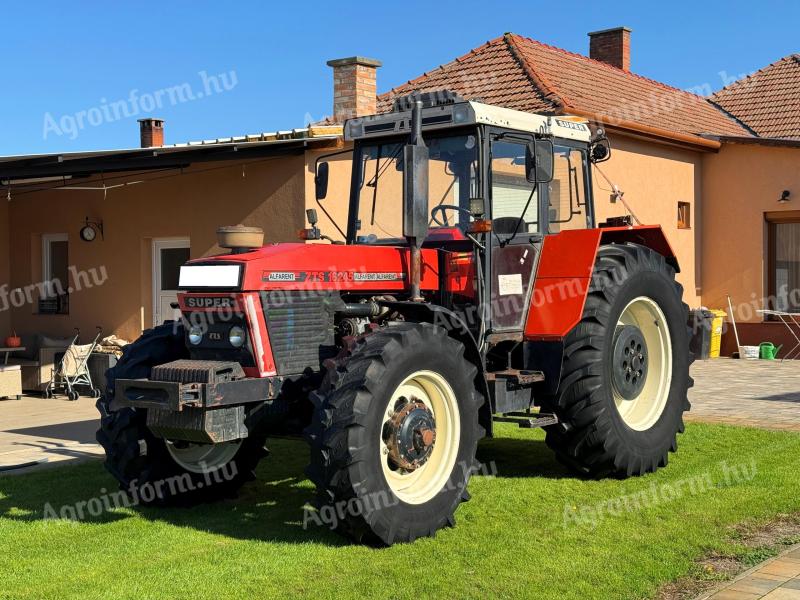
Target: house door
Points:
(168, 256)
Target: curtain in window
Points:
(786, 250)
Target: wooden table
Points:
(8, 352)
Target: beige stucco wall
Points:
(271, 194)
(655, 177)
(740, 184)
(193, 204)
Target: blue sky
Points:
(61, 60)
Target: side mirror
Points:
(600, 150)
(321, 180)
(415, 182)
(539, 161)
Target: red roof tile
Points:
(521, 73)
(768, 101)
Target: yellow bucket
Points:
(716, 332)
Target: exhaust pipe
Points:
(415, 198)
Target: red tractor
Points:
(470, 285)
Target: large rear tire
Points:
(625, 373)
(156, 471)
(394, 434)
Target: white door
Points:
(168, 256)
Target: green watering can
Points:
(768, 350)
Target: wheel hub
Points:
(410, 434)
(629, 362)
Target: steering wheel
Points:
(443, 207)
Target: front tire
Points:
(158, 471)
(625, 373)
(394, 434)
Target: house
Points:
(683, 161)
(717, 173)
(147, 210)
(751, 237)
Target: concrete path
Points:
(758, 393)
(776, 579)
(34, 429)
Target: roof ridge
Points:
(442, 66)
(608, 66)
(549, 91)
(764, 69)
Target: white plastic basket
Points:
(748, 352)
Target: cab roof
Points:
(456, 114)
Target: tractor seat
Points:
(506, 225)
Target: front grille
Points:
(300, 326)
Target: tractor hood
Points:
(300, 266)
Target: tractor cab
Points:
(490, 184)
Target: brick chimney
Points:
(151, 132)
(612, 46)
(354, 87)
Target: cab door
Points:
(516, 237)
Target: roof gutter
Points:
(757, 141)
(648, 130)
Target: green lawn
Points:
(518, 536)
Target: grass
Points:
(532, 530)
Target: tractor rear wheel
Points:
(394, 434)
(625, 373)
(158, 471)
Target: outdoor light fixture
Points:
(89, 230)
(784, 196)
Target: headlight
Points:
(195, 336)
(236, 336)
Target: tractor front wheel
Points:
(158, 471)
(625, 373)
(394, 434)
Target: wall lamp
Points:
(89, 231)
(784, 196)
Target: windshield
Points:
(452, 180)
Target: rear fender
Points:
(456, 328)
(565, 271)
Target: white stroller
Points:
(73, 370)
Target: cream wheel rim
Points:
(419, 485)
(202, 458)
(643, 411)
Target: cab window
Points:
(566, 198)
(513, 196)
(452, 179)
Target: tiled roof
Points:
(521, 73)
(768, 101)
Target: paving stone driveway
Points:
(35, 429)
(760, 393)
(776, 579)
(739, 392)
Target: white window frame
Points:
(47, 274)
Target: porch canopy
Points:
(31, 169)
